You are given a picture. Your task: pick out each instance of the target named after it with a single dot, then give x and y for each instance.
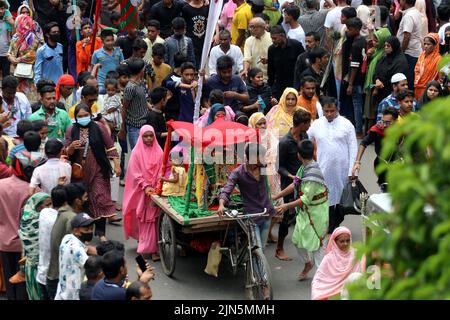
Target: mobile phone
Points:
(141, 263)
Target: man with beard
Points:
(308, 99)
(282, 55)
(49, 57)
(318, 59)
(57, 119)
(312, 40)
(73, 256)
(77, 202)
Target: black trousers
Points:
(336, 217)
(100, 227)
(288, 217)
(10, 262)
(44, 293)
(52, 286)
(4, 65)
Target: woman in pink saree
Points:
(143, 174)
(337, 266)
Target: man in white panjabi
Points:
(336, 143)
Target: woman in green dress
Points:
(29, 235)
(311, 204)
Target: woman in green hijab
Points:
(29, 234)
(372, 100)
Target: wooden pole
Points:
(165, 158)
(189, 185)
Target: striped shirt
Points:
(137, 111)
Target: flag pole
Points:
(98, 6)
(215, 8)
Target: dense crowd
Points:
(83, 115)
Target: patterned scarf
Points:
(29, 227)
(25, 32)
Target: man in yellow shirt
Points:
(89, 95)
(239, 25)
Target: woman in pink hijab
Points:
(337, 265)
(143, 174)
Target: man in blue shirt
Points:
(399, 83)
(106, 59)
(49, 57)
(234, 89)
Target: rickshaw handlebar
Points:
(234, 214)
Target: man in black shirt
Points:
(165, 11)
(353, 67)
(126, 43)
(312, 40)
(376, 135)
(282, 55)
(196, 15)
(318, 60)
(155, 118)
(289, 163)
(172, 109)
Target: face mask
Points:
(84, 121)
(55, 37)
(86, 237)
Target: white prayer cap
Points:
(397, 78)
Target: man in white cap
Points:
(399, 83)
(72, 257)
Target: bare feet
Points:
(279, 254)
(302, 276)
(155, 257)
(103, 239)
(118, 207)
(272, 239)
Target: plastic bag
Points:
(350, 200)
(214, 258)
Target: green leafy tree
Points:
(417, 247)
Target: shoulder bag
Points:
(77, 168)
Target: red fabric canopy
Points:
(219, 133)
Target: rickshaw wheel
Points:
(167, 243)
(258, 284)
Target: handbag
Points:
(24, 70)
(77, 168)
(350, 200)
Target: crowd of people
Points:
(81, 119)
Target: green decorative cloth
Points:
(381, 36)
(179, 204)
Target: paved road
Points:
(191, 282)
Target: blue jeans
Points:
(262, 233)
(133, 136)
(357, 99)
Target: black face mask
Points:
(55, 37)
(86, 237)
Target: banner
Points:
(215, 8)
(129, 13)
